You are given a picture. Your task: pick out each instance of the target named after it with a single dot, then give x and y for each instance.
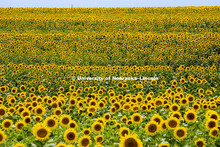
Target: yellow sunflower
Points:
(164, 145)
(190, 116)
(130, 140)
(152, 128)
(41, 132)
(180, 133)
(123, 131)
(6, 124)
(200, 142)
(70, 135)
(97, 127)
(136, 118)
(99, 139)
(19, 125)
(213, 132)
(65, 120)
(211, 123)
(84, 141)
(51, 122)
(172, 123)
(2, 137)
(19, 145)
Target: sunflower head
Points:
(152, 128)
(41, 132)
(84, 141)
(211, 123)
(180, 133)
(172, 123)
(6, 124)
(123, 131)
(3, 137)
(97, 127)
(65, 120)
(190, 116)
(99, 139)
(51, 122)
(86, 131)
(200, 142)
(136, 118)
(130, 141)
(70, 135)
(213, 132)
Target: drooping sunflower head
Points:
(70, 135)
(130, 141)
(180, 133)
(152, 128)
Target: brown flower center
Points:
(131, 142)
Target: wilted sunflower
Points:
(180, 133)
(70, 135)
(84, 141)
(51, 122)
(136, 118)
(130, 141)
(172, 123)
(2, 137)
(41, 132)
(99, 139)
(97, 127)
(152, 128)
(211, 123)
(200, 142)
(123, 131)
(65, 120)
(190, 116)
(213, 132)
(6, 124)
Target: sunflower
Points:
(60, 145)
(175, 107)
(99, 139)
(57, 111)
(19, 125)
(177, 115)
(172, 123)
(214, 115)
(37, 118)
(84, 141)
(51, 122)
(97, 127)
(2, 137)
(200, 142)
(123, 131)
(39, 110)
(180, 133)
(130, 141)
(190, 116)
(86, 131)
(19, 145)
(2, 111)
(196, 106)
(70, 135)
(163, 126)
(41, 132)
(213, 132)
(164, 145)
(6, 124)
(65, 120)
(157, 118)
(136, 118)
(27, 120)
(152, 128)
(211, 123)
(73, 124)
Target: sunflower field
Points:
(110, 77)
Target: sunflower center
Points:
(124, 132)
(99, 139)
(42, 133)
(190, 116)
(71, 136)
(58, 112)
(172, 123)
(85, 142)
(175, 108)
(180, 133)
(214, 133)
(27, 120)
(51, 123)
(1, 137)
(136, 118)
(152, 128)
(39, 111)
(72, 125)
(212, 124)
(213, 116)
(199, 144)
(65, 121)
(20, 126)
(7, 124)
(86, 132)
(131, 142)
(2, 111)
(97, 127)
